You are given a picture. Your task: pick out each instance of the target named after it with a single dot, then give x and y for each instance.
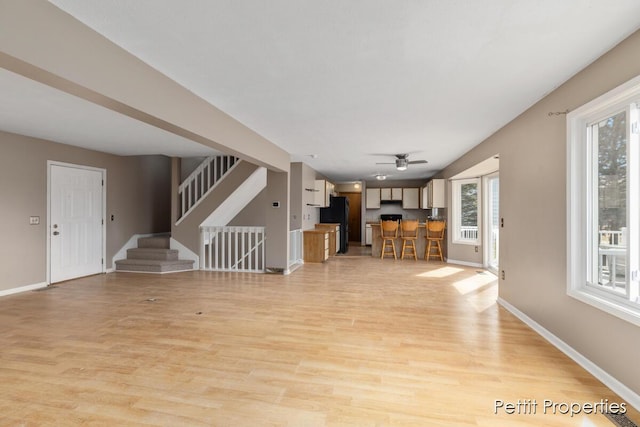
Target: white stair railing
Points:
(202, 180)
(239, 249)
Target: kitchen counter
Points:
(376, 243)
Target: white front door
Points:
(75, 222)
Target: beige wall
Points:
(533, 198)
(137, 196)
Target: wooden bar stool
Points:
(389, 234)
(435, 236)
(409, 235)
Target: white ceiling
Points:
(346, 80)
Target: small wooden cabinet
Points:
(316, 245)
(334, 236)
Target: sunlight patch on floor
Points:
(484, 299)
(441, 272)
(473, 283)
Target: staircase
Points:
(153, 255)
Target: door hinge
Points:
(103, 222)
(103, 182)
(634, 128)
(634, 275)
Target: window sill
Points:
(605, 303)
(466, 242)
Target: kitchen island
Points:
(376, 241)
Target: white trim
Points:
(619, 388)
(579, 191)
(104, 212)
(5, 292)
(456, 211)
(467, 263)
(486, 223)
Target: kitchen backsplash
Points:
(396, 208)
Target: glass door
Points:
(492, 223)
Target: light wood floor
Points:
(356, 341)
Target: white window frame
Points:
(580, 214)
(456, 211)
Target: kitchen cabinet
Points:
(433, 194)
(391, 194)
(368, 234)
(396, 194)
(323, 190)
(316, 245)
(372, 198)
(385, 194)
(410, 198)
(334, 236)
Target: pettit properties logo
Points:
(551, 407)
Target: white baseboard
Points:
(468, 264)
(27, 288)
(620, 389)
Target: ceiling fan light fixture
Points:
(402, 164)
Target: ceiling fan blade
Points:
(385, 163)
(416, 162)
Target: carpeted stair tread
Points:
(153, 265)
(153, 253)
(154, 242)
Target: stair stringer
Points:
(233, 205)
(187, 231)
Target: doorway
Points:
(492, 223)
(355, 206)
(75, 221)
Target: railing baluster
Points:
(202, 180)
(238, 249)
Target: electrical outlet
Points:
(34, 220)
(476, 248)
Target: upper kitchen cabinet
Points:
(372, 198)
(391, 194)
(410, 198)
(433, 194)
(323, 190)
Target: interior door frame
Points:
(103, 172)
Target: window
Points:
(466, 197)
(603, 219)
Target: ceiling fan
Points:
(402, 162)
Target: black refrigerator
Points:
(338, 213)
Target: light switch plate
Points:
(34, 220)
